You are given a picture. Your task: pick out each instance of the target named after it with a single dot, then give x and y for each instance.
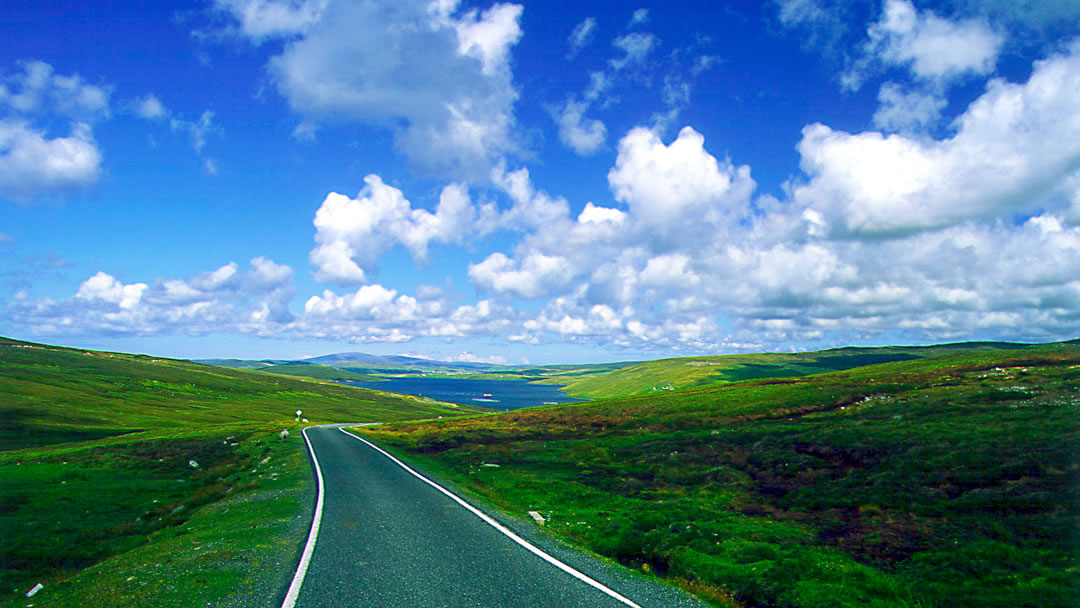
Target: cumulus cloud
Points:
(1010, 146)
(582, 135)
(933, 48)
(374, 313)
(34, 162)
(582, 35)
(639, 17)
(439, 77)
(635, 47)
(38, 90)
(263, 19)
(223, 300)
(676, 185)
(467, 357)
(533, 277)
(351, 234)
(150, 108)
(907, 110)
(33, 165)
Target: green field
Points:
(944, 480)
(100, 500)
(671, 374)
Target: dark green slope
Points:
(694, 372)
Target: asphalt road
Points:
(389, 540)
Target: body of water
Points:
(495, 394)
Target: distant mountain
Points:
(349, 357)
(362, 362)
(365, 361)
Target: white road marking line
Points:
(309, 548)
(501, 528)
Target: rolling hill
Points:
(686, 372)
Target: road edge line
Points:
(554, 561)
(313, 534)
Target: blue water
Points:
(505, 394)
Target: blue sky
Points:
(538, 182)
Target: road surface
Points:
(387, 539)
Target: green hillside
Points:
(673, 374)
(949, 481)
(321, 372)
(55, 395)
(130, 480)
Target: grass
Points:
(84, 510)
(58, 395)
(100, 500)
(693, 372)
(951, 480)
(322, 372)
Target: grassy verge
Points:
(951, 481)
(131, 522)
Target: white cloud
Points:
(306, 131)
(636, 47)
(670, 270)
(598, 83)
(904, 111)
(33, 162)
(150, 108)
(32, 165)
(263, 19)
(224, 300)
(582, 135)
(489, 35)
(106, 288)
(467, 357)
(536, 275)
(676, 185)
(197, 130)
(442, 81)
(593, 214)
(351, 234)
(639, 17)
(39, 90)
(531, 208)
(1011, 146)
(582, 35)
(934, 49)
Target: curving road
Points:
(388, 538)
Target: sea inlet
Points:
(495, 394)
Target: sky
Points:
(539, 182)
